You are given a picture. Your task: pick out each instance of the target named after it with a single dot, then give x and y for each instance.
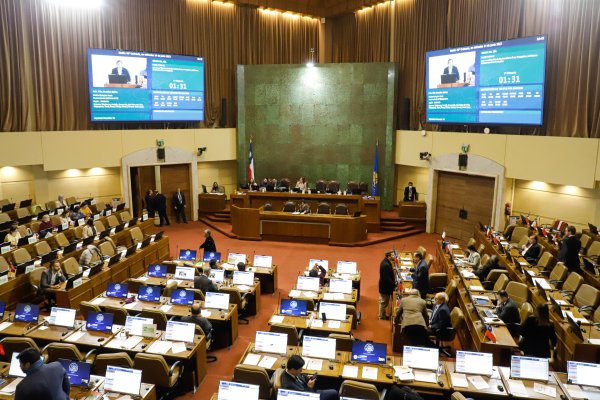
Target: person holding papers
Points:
(412, 318)
(293, 379)
(537, 333)
(440, 317)
(508, 312)
(203, 283)
(89, 230)
(474, 258)
(42, 381)
(51, 278)
(483, 271)
(531, 250)
(13, 236)
(387, 283)
(420, 274)
(198, 319)
(209, 243)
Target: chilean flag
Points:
(250, 164)
(490, 334)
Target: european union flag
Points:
(375, 182)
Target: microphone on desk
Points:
(176, 251)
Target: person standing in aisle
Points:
(160, 205)
(387, 283)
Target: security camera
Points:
(201, 150)
(424, 155)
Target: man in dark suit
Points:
(531, 250)
(120, 70)
(387, 283)
(420, 274)
(179, 206)
(293, 379)
(51, 278)
(42, 381)
(198, 319)
(508, 312)
(452, 70)
(440, 317)
(410, 193)
(483, 271)
(149, 200)
(569, 252)
(160, 205)
(203, 283)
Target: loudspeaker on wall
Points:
(160, 153)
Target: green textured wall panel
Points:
(321, 122)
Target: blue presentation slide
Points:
(136, 86)
(498, 83)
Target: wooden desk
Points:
(412, 209)
(494, 383)
(566, 388)
(529, 384)
(211, 202)
(309, 325)
(427, 388)
(324, 295)
(52, 333)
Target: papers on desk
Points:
(313, 364)
(243, 288)
(128, 343)
(493, 321)
(476, 288)
(575, 391)
(403, 373)
(227, 266)
(545, 285)
(43, 328)
(76, 336)
(581, 320)
(310, 295)
(178, 347)
(595, 341)
(424, 376)
(467, 274)
(317, 323)
(333, 296)
(86, 273)
(517, 387)
(350, 371)
(459, 380)
(142, 278)
(205, 313)
(483, 299)
(295, 293)
(406, 259)
(531, 273)
(98, 301)
(5, 325)
(561, 302)
(369, 373)
(277, 319)
(251, 359)
(267, 362)
(165, 308)
(454, 246)
(478, 382)
(334, 324)
(504, 243)
(160, 347)
(11, 387)
(544, 389)
(130, 305)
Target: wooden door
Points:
(142, 180)
(171, 178)
(475, 194)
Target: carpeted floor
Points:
(292, 258)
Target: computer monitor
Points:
(293, 307)
(62, 317)
(78, 371)
(2, 308)
(213, 255)
(234, 258)
(71, 280)
(216, 300)
(243, 278)
(262, 261)
(15, 370)
(529, 368)
(51, 256)
(157, 270)
(346, 267)
(180, 331)
(117, 290)
(26, 312)
(135, 325)
(182, 297)
(284, 394)
(582, 373)
(319, 347)
(308, 283)
(185, 273)
(98, 321)
(123, 380)
(149, 293)
(556, 308)
(368, 352)
(420, 357)
(336, 311)
(322, 263)
(340, 286)
(187, 255)
(468, 362)
(237, 391)
(271, 342)
(217, 275)
(541, 290)
(575, 328)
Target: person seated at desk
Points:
(264, 183)
(508, 312)
(241, 266)
(293, 379)
(203, 282)
(85, 260)
(198, 319)
(531, 250)
(317, 271)
(412, 318)
(213, 264)
(215, 188)
(440, 317)
(89, 230)
(209, 243)
(61, 202)
(76, 214)
(51, 278)
(410, 193)
(569, 251)
(64, 219)
(304, 208)
(46, 223)
(42, 381)
(420, 274)
(121, 70)
(474, 259)
(12, 236)
(537, 333)
(301, 184)
(85, 209)
(252, 185)
(483, 271)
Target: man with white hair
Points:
(440, 317)
(85, 260)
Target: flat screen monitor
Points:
(237, 391)
(495, 83)
(308, 283)
(346, 267)
(217, 275)
(313, 261)
(2, 308)
(271, 342)
(319, 347)
(293, 307)
(262, 261)
(77, 371)
(340, 286)
(25, 312)
(243, 278)
(117, 290)
(216, 300)
(187, 255)
(368, 352)
(135, 325)
(529, 368)
(98, 321)
(213, 255)
(157, 270)
(284, 394)
(180, 331)
(582, 373)
(62, 317)
(182, 297)
(123, 380)
(126, 85)
(15, 370)
(149, 293)
(420, 357)
(468, 362)
(234, 258)
(336, 311)
(185, 273)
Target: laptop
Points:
(187, 255)
(182, 297)
(556, 307)
(132, 222)
(8, 207)
(114, 259)
(575, 327)
(120, 79)
(25, 203)
(293, 307)
(22, 268)
(211, 256)
(121, 207)
(123, 380)
(26, 312)
(95, 269)
(157, 270)
(15, 370)
(448, 78)
(130, 251)
(149, 293)
(46, 258)
(117, 290)
(72, 279)
(98, 321)
(87, 240)
(146, 242)
(24, 240)
(120, 227)
(159, 236)
(78, 371)
(369, 352)
(62, 317)
(593, 228)
(541, 290)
